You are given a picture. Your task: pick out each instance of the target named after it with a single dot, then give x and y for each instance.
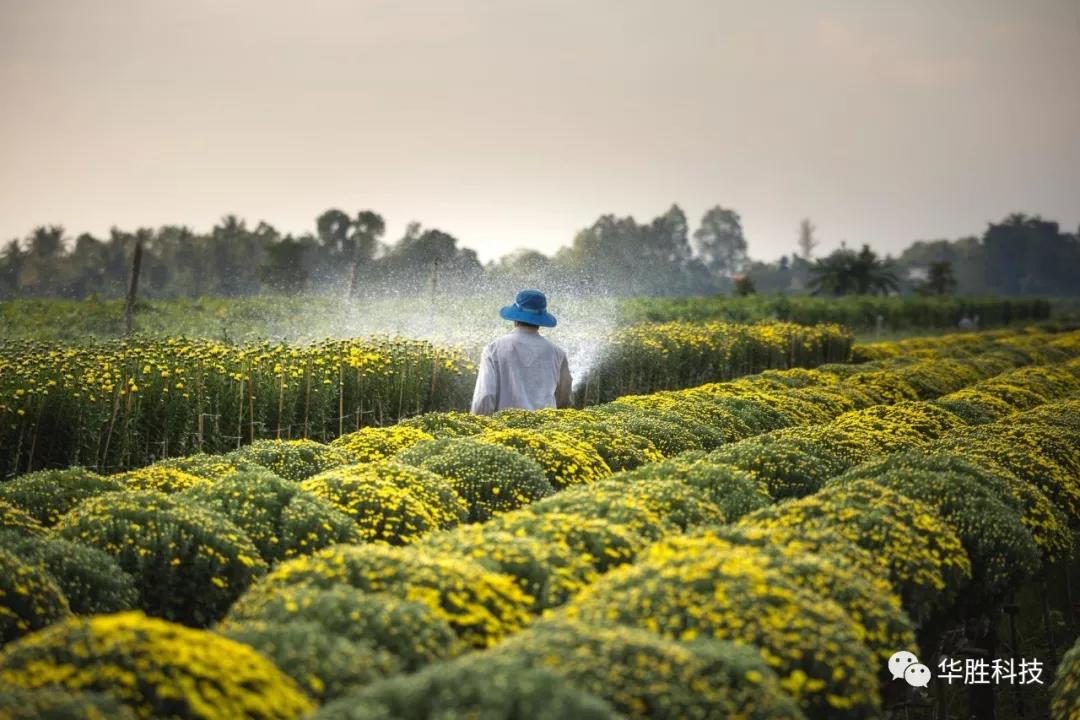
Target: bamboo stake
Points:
(133, 287)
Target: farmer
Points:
(523, 369)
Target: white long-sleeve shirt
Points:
(522, 370)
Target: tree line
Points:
(348, 254)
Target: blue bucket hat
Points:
(530, 306)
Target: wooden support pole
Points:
(133, 288)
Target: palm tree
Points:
(845, 272)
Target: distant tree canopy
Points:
(346, 254)
(846, 272)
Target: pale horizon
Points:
(517, 124)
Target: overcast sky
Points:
(513, 124)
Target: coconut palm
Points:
(846, 272)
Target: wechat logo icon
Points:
(904, 665)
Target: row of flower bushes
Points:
(468, 586)
(122, 404)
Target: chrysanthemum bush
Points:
(490, 478)
(925, 558)
(791, 464)
(565, 460)
(211, 467)
(280, 518)
(481, 606)
(48, 494)
(449, 424)
(55, 703)
(91, 581)
(390, 502)
(160, 479)
(291, 459)
(189, 563)
(735, 492)
(735, 594)
(410, 631)
(154, 667)
(651, 507)
(694, 429)
(29, 597)
(549, 571)
(649, 357)
(378, 443)
(18, 520)
(1065, 691)
(670, 438)
(471, 687)
(1002, 551)
(324, 665)
(620, 449)
(634, 514)
(1046, 522)
(723, 425)
(644, 675)
(878, 619)
(1037, 453)
(605, 544)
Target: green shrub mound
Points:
(160, 479)
(759, 417)
(675, 504)
(29, 597)
(189, 563)
(706, 420)
(915, 422)
(601, 542)
(643, 675)
(156, 668)
(1048, 525)
(621, 450)
(324, 665)
(670, 438)
(472, 686)
(55, 703)
(481, 606)
(279, 517)
(18, 520)
(609, 503)
(1002, 551)
(1065, 690)
(450, 424)
(974, 407)
(789, 465)
(734, 594)
(1039, 454)
(211, 467)
(566, 460)
(88, 577)
(735, 492)
(371, 444)
(877, 618)
(47, 494)
(390, 502)
(926, 561)
(409, 631)
(294, 460)
(490, 478)
(549, 572)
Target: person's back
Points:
(523, 369)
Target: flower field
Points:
(121, 404)
(702, 546)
